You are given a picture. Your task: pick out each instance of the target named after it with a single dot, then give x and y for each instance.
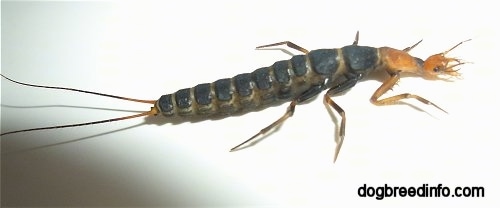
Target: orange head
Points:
(438, 65)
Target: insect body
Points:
(297, 80)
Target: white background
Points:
(144, 50)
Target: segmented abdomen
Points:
(284, 80)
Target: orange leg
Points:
(387, 85)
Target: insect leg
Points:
(289, 113)
(287, 43)
(356, 38)
(331, 92)
(388, 84)
(408, 49)
(340, 139)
